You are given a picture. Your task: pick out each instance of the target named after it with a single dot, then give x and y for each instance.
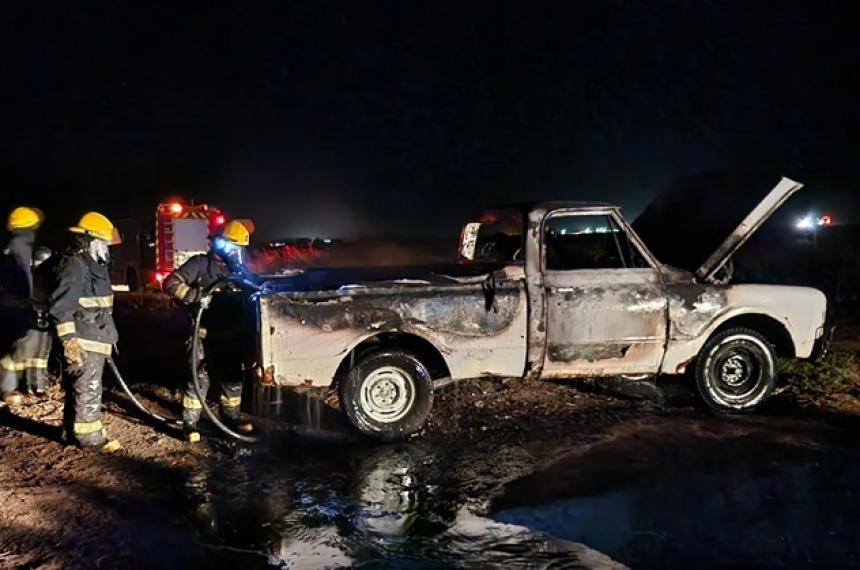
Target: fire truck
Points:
(181, 232)
(145, 258)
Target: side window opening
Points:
(587, 242)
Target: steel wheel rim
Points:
(736, 371)
(387, 394)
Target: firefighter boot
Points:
(231, 403)
(190, 432)
(13, 398)
(191, 409)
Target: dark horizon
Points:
(337, 119)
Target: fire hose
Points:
(133, 399)
(195, 382)
(195, 362)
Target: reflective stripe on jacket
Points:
(82, 304)
(200, 271)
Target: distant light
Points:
(176, 208)
(826, 220)
(806, 222)
(327, 240)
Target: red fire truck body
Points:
(181, 232)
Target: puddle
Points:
(672, 493)
(776, 496)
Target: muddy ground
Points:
(313, 494)
(63, 507)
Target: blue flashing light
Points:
(224, 245)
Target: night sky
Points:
(338, 119)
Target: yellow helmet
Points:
(237, 233)
(96, 225)
(24, 218)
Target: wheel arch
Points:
(682, 354)
(772, 329)
(429, 355)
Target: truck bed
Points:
(310, 323)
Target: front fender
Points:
(696, 311)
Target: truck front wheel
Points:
(736, 370)
(387, 394)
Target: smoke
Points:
(288, 201)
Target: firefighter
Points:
(24, 359)
(81, 308)
(186, 284)
(43, 285)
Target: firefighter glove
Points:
(192, 296)
(73, 352)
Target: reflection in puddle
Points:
(321, 505)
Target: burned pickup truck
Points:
(545, 290)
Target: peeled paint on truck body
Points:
(697, 310)
(479, 330)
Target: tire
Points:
(387, 395)
(736, 370)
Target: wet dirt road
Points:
(651, 491)
(509, 475)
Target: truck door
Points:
(605, 299)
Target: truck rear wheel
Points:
(736, 370)
(387, 394)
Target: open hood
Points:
(698, 223)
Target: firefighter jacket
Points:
(16, 277)
(82, 304)
(196, 274)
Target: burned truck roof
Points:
(526, 207)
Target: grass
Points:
(812, 382)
